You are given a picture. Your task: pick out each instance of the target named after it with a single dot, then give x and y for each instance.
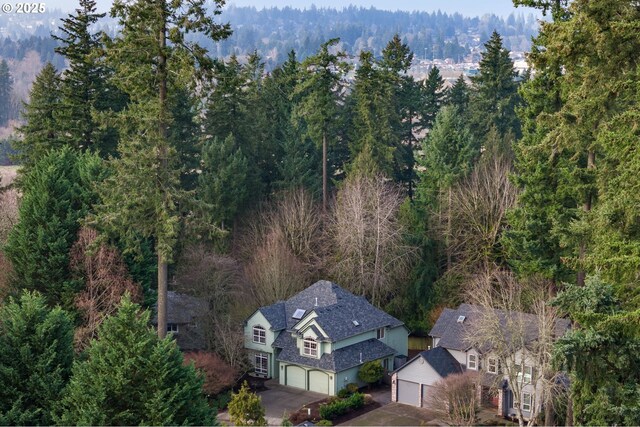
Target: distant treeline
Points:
(274, 32)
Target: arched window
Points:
(259, 335)
(310, 347)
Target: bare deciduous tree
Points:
(454, 399)
(283, 248)
(218, 375)
(515, 324)
(216, 279)
(106, 281)
(274, 272)
(369, 254)
(473, 215)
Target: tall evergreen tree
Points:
(458, 95)
(494, 97)
(431, 98)
(223, 182)
(6, 89)
(36, 353)
(373, 130)
(85, 91)
(58, 192)
(131, 377)
(320, 91)
(150, 56)
(40, 132)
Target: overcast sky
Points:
(465, 7)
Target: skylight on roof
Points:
(356, 323)
(461, 319)
(298, 314)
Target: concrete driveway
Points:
(278, 400)
(393, 414)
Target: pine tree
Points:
(6, 90)
(245, 408)
(131, 377)
(85, 91)
(320, 98)
(223, 182)
(36, 353)
(372, 129)
(494, 97)
(144, 198)
(40, 132)
(58, 193)
(431, 98)
(458, 95)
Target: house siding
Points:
(259, 320)
(398, 339)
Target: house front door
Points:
(507, 403)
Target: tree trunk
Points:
(324, 172)
(586, 207)
(162, 296)
(448, 239)
(162, 154)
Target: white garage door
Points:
(426, 391)
(318, 382)
(295, 376)
(408, 392)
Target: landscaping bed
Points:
(311, 411)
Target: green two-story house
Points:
(318, 339)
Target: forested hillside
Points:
(150, 164)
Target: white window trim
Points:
(475, 361)
(310, 347)
(258, 364)
(172, 328)
(493, 365)
(259, 335)
(525, 375)
(526, 402)
(380, 333)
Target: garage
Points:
(295, 377)
(319, 382)
(426, 392)
(408, 392)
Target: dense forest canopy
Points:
(242, 164)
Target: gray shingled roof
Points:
(341, 359)
(185, 310)
(453, 334)
(274, 314)
(336, 310)
(441, 361)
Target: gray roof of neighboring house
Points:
(336, 310)
(440, 360)
(341, 359)
(453, 334)
(184, 310)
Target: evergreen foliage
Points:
(371, 372)
(40, 132)
(223, 182)
(58, 194)
(85, 91)
(494, 97)
(36, 353)
(245, 408)
(432, 96)
(131, 377)
(6, 90)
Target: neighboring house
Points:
(184, 314)
(412, 383)
(318, 339)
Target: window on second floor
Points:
(528, 374)
(526, 402)
(310, 347)
(472, 361)
(172, 328)
(380, 333)
(259, 335)
(492, 365)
